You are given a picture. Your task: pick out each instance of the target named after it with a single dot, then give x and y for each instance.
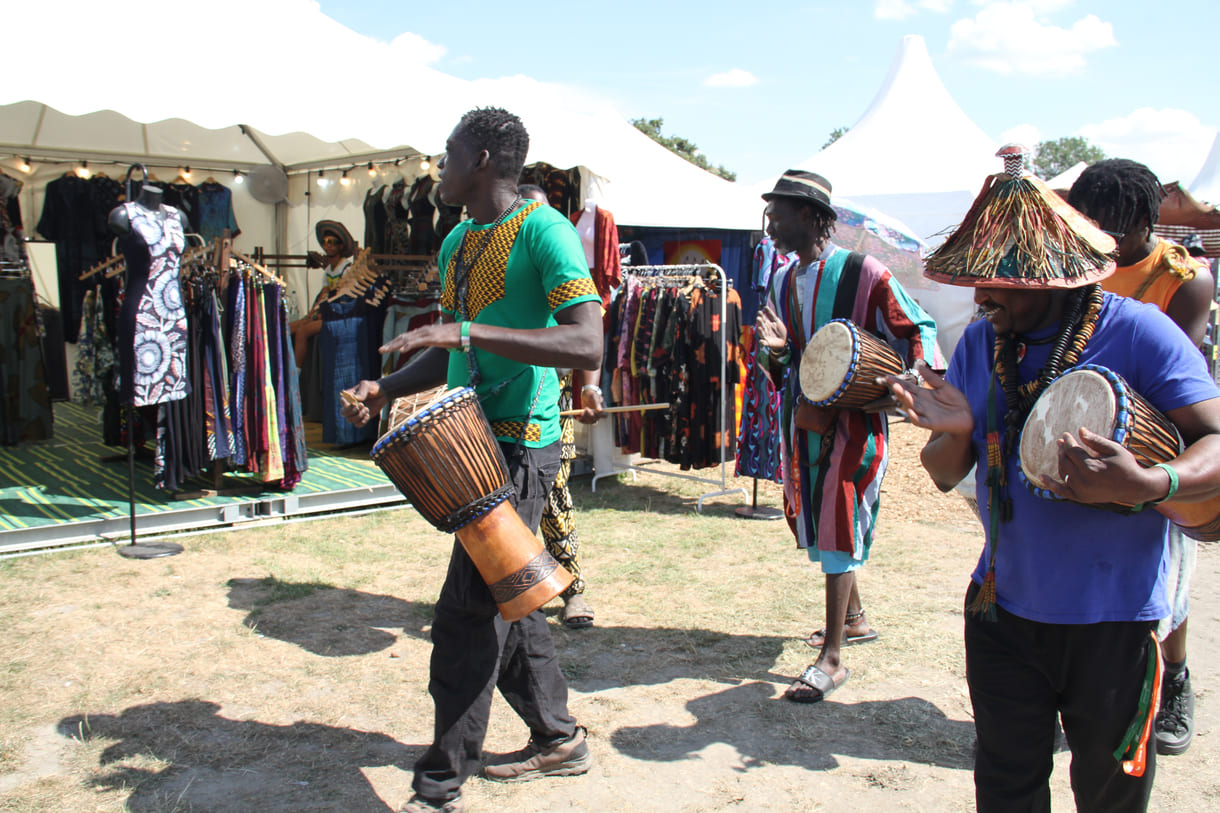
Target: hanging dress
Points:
(152, 323)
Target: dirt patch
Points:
(285, 668)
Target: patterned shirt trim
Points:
(570, 290)
(512, 429)
(486, 277)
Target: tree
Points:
(1054, 157)
(835, 135)
(680, 146)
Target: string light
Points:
(372, 172)
(238, 177)
(25, 164)
(186, 173)
(83, 172)
(322, 181)
(345, 181)
(426, 163)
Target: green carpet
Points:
(63, 481)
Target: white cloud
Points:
(1014, 37)
(416, 49)
(1173, 143)
(1026, 134)
(901, 9)
(735, 78)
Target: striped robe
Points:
(834, 505)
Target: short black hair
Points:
(500, 133)
(1120, 194)
(528, 189)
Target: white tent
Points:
(1065, 179)
(917, 157)
(1206, 185)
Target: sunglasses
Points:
(331, 241)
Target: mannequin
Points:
(152, 334)
(586, 227)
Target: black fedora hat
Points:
(333, 228)
(798, 183)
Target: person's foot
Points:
(418, 804)
(567, 758)
(814, 685)
(856, 630)
(1175, 722)
(577, 614)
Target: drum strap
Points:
(849, 286)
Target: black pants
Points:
(1022, 674)
(475, 650)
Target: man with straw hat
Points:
(1062, 604)
(834, 465)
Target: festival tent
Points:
(1206, 185)
(917, 157)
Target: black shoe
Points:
(1175, 722)
(418, 804)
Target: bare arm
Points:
(575, 342)
(1191, 305)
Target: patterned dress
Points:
(152, 322)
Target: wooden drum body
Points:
(1099, 399)
(841, 363)
(446, 461)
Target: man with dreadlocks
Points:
(1124, 198)
(1064, 599)
(517, 300)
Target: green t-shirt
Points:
(532, 266)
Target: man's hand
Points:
(441, 334)
(938, 406)
(594, 406)
(361, 402)
(770, 331)
(1095, 469)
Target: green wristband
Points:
(466, 336)
(1173, 483)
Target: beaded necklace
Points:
(1075, 330)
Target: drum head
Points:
(1080, 398)
(826, 361)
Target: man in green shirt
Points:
(517, 300)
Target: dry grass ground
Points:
(284, 668)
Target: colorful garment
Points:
(152, 325)
(558, 524)
(216, 211)
(832, 500)
(1157, 277)
(532, 266)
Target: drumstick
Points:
(571, 413)
(349, 399)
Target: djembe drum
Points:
(1100, 400)
(447, 462)
(841, 364)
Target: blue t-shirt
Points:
(1060, 562)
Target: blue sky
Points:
(759, 87)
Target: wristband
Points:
(1173, 483)
(592, 388)
(466, 337)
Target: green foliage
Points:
(835, 135)
(681, 146)
(1053, 157)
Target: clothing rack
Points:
(708, 273)
(15, 269)
(408, 273)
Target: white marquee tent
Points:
(917, 157)
(1206, 185)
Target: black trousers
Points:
(1022, 674)
(474, 651)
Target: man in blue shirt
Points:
(1065, 596)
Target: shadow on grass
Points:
(327, 620)
(642, 495)
(219, 764)
(765, 729)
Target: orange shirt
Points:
(1157, 277)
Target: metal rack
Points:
(684, 272)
